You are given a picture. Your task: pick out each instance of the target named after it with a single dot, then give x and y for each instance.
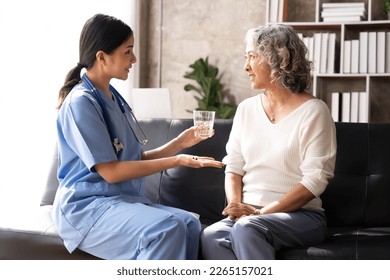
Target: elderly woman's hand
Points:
(236, 211)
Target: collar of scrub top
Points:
(121, 103)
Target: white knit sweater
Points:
(273, 158)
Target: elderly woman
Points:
(280, 155)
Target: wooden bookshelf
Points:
(305, 17)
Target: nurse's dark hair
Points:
(100, 33)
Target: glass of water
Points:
(205, 121)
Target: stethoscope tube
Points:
(121, 103)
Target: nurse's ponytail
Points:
(100, 33)
(72, 79)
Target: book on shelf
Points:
(363, 51)
(344, 5)
(277, 10)
(343, 12)
(311, 48)
(372, 52)
(380, 52)
(324, 52)
(336, 106)
(345, 106)
(282, 10)
(317, 52)
(339, 9)
(354, 106)
(306, 41)
(331, 53)
(354, 56)
(273, 11)
(387, 64)
(363, 107)
(343, 19)
(347, 57)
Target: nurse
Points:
(100, 206)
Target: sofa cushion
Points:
(33, 236)
(339, 246)
(345, 243)
(373, 244)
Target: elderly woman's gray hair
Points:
(281, 48)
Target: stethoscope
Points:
(118, 146)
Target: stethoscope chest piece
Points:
(118, 146)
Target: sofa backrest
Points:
(50, 189)
(202, 190)
(359, 193)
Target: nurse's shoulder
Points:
(80, 95)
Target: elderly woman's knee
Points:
(247, 227)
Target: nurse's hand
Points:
(188, 137)
(198, 162)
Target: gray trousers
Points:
(259, 237)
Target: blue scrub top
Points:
(83, 141)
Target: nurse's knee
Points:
(193, 223)
(165, 227)
(174, 226)
(164, 239)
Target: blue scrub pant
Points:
(258, 237)
(136, 231)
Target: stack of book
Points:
(368, 54)
(344, 12)
(350, 106)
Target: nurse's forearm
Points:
(119, 171)
(168, 150)
(185, 139)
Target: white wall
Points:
(194, 29)
(38, 46)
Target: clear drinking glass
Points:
(205, 120)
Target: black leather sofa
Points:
(357, 200)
